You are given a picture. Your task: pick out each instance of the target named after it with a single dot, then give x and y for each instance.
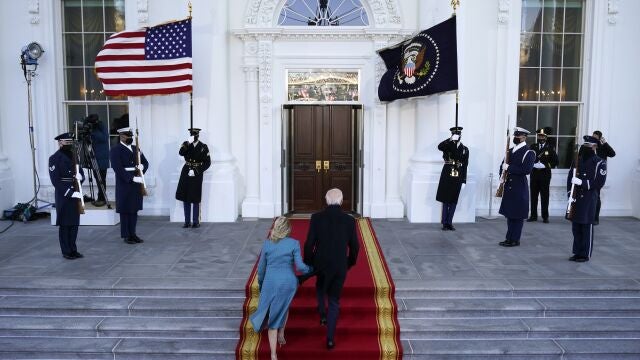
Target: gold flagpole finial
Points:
(190, 8)
(455, 4)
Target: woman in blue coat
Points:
(277, 281)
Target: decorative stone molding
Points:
(320, 34)
(34, 11)
(265, 86)
(250, 73)
(613, 9)
(143, 12)
(503, 11)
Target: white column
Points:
(225, 189)
(268, 170)
(6, 181)
(251, 202)
(395, 207)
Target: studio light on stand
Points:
(29, 61)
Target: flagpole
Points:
(191, 93)
(455, 4)
(457, 101)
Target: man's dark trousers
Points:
(329, 287)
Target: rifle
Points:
(143, 186)
(77, 186)
(503, 177)
(573, 194)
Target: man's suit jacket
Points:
(331, 233)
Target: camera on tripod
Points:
(91, 134)
(86, 126)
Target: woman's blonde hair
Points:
(281, 229)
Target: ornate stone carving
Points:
(503, 11)
(250, 73)
(34, 11)
(613, 9)
(143, 12)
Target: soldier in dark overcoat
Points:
(128, 184)
(63, 175)
(515, 199)
(587, 182)
(196, 161)
(453, 177)
(546, 159)
(604, 151)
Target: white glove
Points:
(505, 167)
(137, 179)
(76, 195)
(539, 165)
(463, 185)
(78, 177)
(455, 137)
(191, 173)
(576, 181)
(140, 167)
(191, 139)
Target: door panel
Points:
(338, 150)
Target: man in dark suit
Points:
(63, 176)
(546, 159)
(514, 205)
(331, 233)
(196, 161)
(453, 177)
(586, 183)
(604, 151)
(128, 184)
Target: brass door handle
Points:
(326, 166)
(318, 165)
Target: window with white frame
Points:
(323, 13)
(86, 24)
(550, 81)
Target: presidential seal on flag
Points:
(414, 58)
(417, 59)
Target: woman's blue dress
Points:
(277, 281)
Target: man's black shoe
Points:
(546, 221)
(508, 243)
(573, 258)
(323, 320)
(445, 228)
(77, 255)
(186, 225)
(451, 227)
(130, 240)
(581, 259)
(99, 203)
(195, 226)
(531, 219)
(69, 256)
(137, 239)
(330, 344)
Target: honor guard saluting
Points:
(590, 176)
(128, 183)
(197, 161)
(603, 151)
(453, 177)
(514, 204)
(546, 159)
(66, 177)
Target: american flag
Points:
(148, 61)
(409, 69)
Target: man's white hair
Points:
(334, 197)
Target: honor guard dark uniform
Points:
(63, 175)
(589, 179)
(453, 176)
(603, 151)
(515, 198)
(197, 161)
(128, 185)
(546, 159)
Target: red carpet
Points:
(368, 322)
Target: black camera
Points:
(86, 126)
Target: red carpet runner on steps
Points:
(368, 322)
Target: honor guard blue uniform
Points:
(515, 199)
(453, 176)
(128, 185)
(196, 161)
(603, 151)
(546, 159)
(589, 179)
(63, 175)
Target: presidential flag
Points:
(149, 61)
(423, 65)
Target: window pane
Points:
(568, 120)
(547, 117)
(73, 49)
(551, 50)
(550, 85)
(331, 13)
(566, 147)
(573, 16)
(94, 86)
(527, 117)
(528, 84)
(93, 20)
(75, 113)
(572, 50)
(72, 17)
(114, 15)
(75, 84)
(115, 112)
(530, 50)
(92, 45)
(552, 16)
(531, 15)
(571, 84)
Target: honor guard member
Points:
(453, 177)
(546, 159)
(589, 179)
(63, 175)
(128, 185)
(197, 161)
(603, 151)
(515, 198)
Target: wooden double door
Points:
(321, 150)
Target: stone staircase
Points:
(50, 322)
